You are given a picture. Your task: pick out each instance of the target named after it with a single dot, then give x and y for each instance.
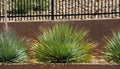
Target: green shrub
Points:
(62, 44)
(26, 6)
(21, 6)
(12, 49)
(112, 50)
(41, 5)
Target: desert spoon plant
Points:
(112, 50)
(62, 44)
(12, 49)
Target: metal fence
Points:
(36, 10)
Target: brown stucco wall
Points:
(97, 29)
(59, 66)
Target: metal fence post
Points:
(52, 9)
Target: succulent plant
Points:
(12, 49)
(112, 50)
(62, 44)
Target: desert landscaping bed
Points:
(97, 30)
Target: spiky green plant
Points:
(27, 6)
(112, 50)
(62, 44)
(12, 49)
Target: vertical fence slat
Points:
(0, 10)
(88, 8)
(101, 8)
(32, 4)
(12, 10)
(98, 8)
(39, 11)
(8, 10)
(105, 9)
(52, 9)
(27, 9)
(91, 8)
(3, 12)
(108, 8)
(78, 9)
(36, 11)
(84, 4)
(62, 10)
(81, 8)
(112, 9)
(119, 8)
(23, 18)
(21, 5)
(116, 8)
